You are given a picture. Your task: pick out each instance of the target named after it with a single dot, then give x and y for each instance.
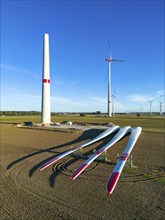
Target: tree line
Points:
(19, 113)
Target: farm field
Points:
(50, 194)
(149, 123)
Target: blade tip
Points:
(40, 169)
(72, 178)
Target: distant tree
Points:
(138, 115)
(82, 114)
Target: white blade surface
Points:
(117, 137)
(99, 137)
(114, 177)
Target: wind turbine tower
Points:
(161, 104)
(113, 103)
(150, 101)
(45, 109)
(110, 60)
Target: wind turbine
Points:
(110, 60)
(150, 101)
(113, 103)
(161, 104)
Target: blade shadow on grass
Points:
(37, 166)
(85, 136)
(58, 169)
(62, 166)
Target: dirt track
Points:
(50, 194)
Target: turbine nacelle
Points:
(111, 60)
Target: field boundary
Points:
(73, 130)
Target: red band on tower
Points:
(46, 80)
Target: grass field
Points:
(150, 123)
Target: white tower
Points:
(110, 60)
(109, 86)
(45, 109)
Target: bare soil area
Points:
(28, 194)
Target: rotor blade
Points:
(110, 53)
(118, 60)
(113, 96)
(106, 76)
(108, 42)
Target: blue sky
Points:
(78, 33)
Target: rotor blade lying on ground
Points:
(117, 137)
(99, 137)
(114, 177)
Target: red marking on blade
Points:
(77, 148)
(74, 149)
(99, 152)
(124, 156)
(78, 171)
(112, 181)
(48, 163)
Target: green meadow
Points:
(148, 123)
